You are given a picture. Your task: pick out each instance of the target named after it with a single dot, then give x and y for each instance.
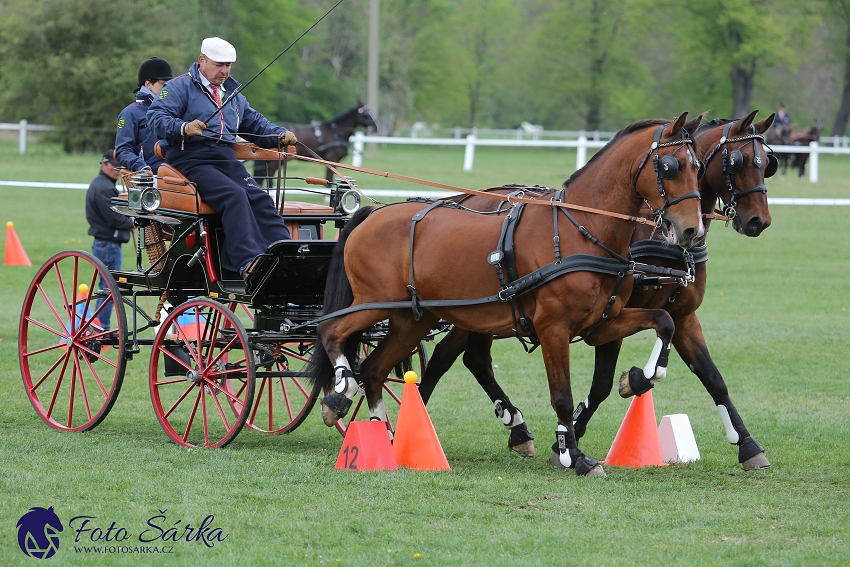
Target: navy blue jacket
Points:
(134, 140)
(104, 223)
(184, 99)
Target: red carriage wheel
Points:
(202, 374)
(392, 390)
(283, 397)
(71, 366)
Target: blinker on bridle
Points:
(667, 167)
(734, 160)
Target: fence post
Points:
(22, 138)
(357, 158)
(813, 162)
(469, 154)
(581, 150)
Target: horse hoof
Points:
(334, 407)
(596, 471)
(555, 461)
(524, 449)
(625, 388)
(756, 463)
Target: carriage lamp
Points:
(350, 202)
(142, 194)
(151, 199)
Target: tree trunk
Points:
(742, 80)
(844, 110)
(594, 98)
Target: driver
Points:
(204, 152)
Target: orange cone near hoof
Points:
(637, 443)
(14, 254)
(366, 447)
(416, 445)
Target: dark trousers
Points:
(248, 213)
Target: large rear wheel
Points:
(72, 367)
(202, 374)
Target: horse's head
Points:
(366, 118)
(668, 178)
(736, 165)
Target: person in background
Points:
(109, 229)
(204, 152)
(782, 117)
(134, 140)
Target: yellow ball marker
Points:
(410, 377)
(9, 224)
(83, 289)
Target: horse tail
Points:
(338, 295)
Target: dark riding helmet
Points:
(155, 69)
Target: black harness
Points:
(734, 160)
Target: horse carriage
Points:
(221, 355)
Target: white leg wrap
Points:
(379, 411)
(344, 384)
(565, 457)
(508, 419)
(731, 435)
(649, 370)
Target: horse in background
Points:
(328, 139)
(783, 135)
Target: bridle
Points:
(366, 115)
(734, 160)
(667, 167)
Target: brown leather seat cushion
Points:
(178, 193)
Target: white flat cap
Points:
(218, 50)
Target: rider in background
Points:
(134, 141)
(204, 152)
(782, 117)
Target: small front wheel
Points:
(202, 374)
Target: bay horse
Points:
(327, 140)
(735, 172)
(371, 275)
(783, 135)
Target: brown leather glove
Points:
(194, 128)
(288, 138)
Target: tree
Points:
(724, 44)
(840, 9)
(74, 63)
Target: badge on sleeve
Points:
(163, 93)
(120, 122)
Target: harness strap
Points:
(417, 311)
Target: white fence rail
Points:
(582, 144)
(23, 127)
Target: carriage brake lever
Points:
(196, 256)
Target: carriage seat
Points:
(178, 193)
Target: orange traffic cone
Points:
(637, 443)
(366, 447)
(14, 254)
(416, 445)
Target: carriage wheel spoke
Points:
(59, 383)
(191, 415)
(213, 329)
(68, 309)
(204, 415)
(221, 411)
(27, 354)
(256, 402)
(74, 367)
(230, 396)
(83, 391)
(53, 309)
(95, 375)
(224, 351)
(45, 327)
(180, 399)
(63, 356)
(97, 355)
(174, 357)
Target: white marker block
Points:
(678, 444)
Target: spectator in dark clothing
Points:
(134, 141)
(109, 229)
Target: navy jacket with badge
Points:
(184, 99)
(134, 140)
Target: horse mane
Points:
(344, 114)
(631, 128)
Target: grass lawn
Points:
(776, 319)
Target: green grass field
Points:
(775, 316)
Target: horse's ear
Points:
(359, 103)
(692, 125)
(764, 125)
(676, 126)
(744, 123)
